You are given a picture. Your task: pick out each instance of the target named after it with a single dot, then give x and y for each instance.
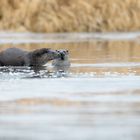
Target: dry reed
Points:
(70, 15)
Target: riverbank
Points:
(69, 15)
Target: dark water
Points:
(99, 99)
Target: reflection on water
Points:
(98, 99)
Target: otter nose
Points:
(62, 56)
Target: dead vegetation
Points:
(70, 15)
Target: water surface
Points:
(99, 98)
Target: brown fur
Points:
(19, 57)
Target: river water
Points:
(98, 99)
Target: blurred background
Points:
(69, 15)
(99, 97)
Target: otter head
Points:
(42, 56)
(63, 54)
(62, 63)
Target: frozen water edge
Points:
(21, 82)
(64, 87)
(108, 65)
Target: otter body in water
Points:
(19, 57)
(62, 63)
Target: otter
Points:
(19, 57)
(62, 63)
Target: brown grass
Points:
(70, 15)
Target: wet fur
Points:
(19, 57)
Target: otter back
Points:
(13, 57)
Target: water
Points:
(98, 99)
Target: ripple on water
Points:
(93, 101)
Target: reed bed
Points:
(70, 15)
